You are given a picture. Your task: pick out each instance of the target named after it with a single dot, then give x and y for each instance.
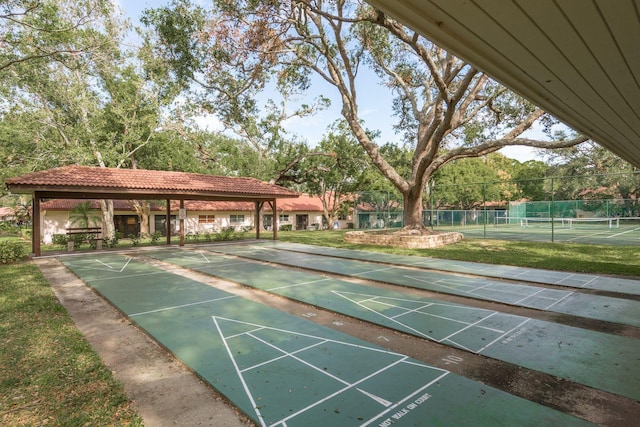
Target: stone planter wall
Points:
(406, 240)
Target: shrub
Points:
(60, 240)
(9, 228)
(79, 239)
(11, 252)
(135, 240)
(155, 237)
(226, 233)
(285, 227)
(113, 242)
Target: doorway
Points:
(302, 221)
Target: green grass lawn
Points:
(50, 375)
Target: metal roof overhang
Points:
(577, 59)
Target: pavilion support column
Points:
(167, 222)
(35, 230)
(257, 221)
(182, 215)
(274, 209)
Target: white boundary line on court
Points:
(560, 300)
(375, 298)
(181, 306)
(536, 295)
(321, 340)
(401, 402)
(570, 276)
(81, 264)
(586, 236)
(623, 232)
(386, 317)
(470, 290)
(297, 284)
(237, 368)
(502, 336)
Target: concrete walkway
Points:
(164, 392)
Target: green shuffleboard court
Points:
(596, 359)
(281, 370)
(616, 310)
(559, 278)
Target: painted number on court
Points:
(452, 360)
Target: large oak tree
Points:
(444, 108)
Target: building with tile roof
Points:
(202, 216)
(86, 182)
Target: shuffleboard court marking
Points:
(611, 309)
(501, 292)
(571, 276)
(396, 303)
(130, 276)
(343, 385)
(496, 288)
(195, 257)
(578, 280)
(554, 300)
(278, 288)
(100, 264)
(104, 264)
(203, 256)
(175, 307)
(559, 301)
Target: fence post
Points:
(552, 212)
(433, 187)
(484, 210)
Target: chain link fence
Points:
(603, 209)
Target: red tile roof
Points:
(139, 181)
(303, 203)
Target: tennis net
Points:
(568, 223)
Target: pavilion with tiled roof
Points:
(86, 182)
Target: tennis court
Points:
(281, 370)
(602, 231)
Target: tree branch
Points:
(295, 161)
(495, 145)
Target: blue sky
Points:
(373, 109)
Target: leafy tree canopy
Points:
(444, 108)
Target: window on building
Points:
(284, 218)
(206, 219)
(235, 219)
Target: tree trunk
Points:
(143, 209)
(108, 228)
(412, 216)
